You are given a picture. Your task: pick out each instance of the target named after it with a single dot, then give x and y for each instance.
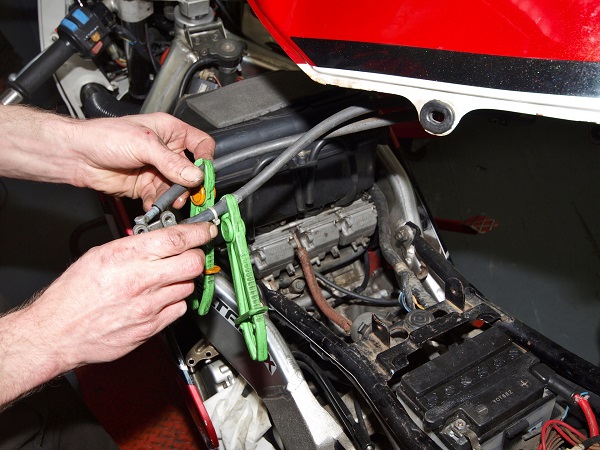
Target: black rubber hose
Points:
(97, 101)
(389, 252)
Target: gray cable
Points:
(264, 148)
(278, 144)
(269, 171)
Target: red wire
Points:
(556, 424)
(588, 413)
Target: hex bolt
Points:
(298, 286)
(460, 424)
(402, 234)
(227, 47)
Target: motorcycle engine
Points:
(472, 391)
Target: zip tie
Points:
(215, 219)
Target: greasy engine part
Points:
(325, 233)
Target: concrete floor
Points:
(539, 179)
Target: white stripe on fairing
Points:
(463, 99)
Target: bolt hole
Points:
(191, 362)
(437, 117)
(400, 334)
(208, 354)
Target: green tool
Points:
(251, 319)
(201, 201)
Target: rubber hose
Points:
(98, 102)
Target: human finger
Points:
(175, 269)
(171, 241)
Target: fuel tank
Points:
(537, 57)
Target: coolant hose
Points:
(97, 102)
(391, 255)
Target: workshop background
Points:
(537, 177)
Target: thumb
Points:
(176, 167)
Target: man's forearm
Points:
(37, 145)
(27, 360)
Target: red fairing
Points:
(548, 29)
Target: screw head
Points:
(460, 424)
(482, 410)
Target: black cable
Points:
(364, 298)
(390, 254)
(591, 441)
(149, 50)
(359, 415)
(187, 76)
(367, 268)
(358, 433)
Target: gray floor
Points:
(539, 179)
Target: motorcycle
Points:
(372, 338)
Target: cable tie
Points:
(216, 219)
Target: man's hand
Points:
(106, 304)
(134, 156)
(137, 156)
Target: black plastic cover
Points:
(485, 381)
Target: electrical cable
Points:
(370, 300)
(356, 428)
(391, 255)
(367, 268)
(589, 442)
(310, 136)
(556, 425)
(281, 143)
(402, 299)
(149, 50)
(187, 76)
(270, 146)
(310, 276)
(588, 413)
